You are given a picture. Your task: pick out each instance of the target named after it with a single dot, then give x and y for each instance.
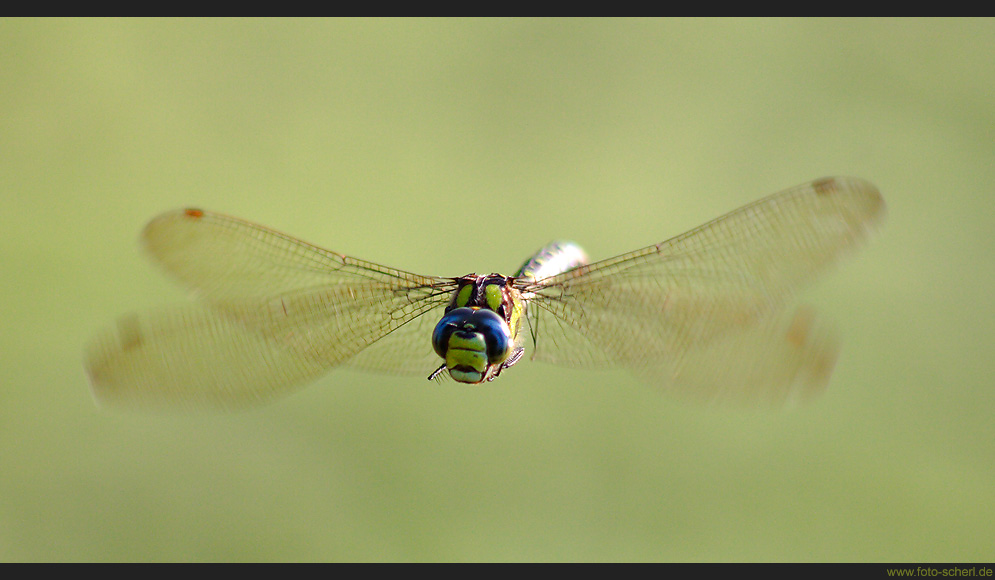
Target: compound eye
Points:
(497, 336)
(444, 329)
(478, 329)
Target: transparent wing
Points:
(277, 312)
(702, 314)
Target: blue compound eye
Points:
(444, 329)
(496, 335)
(477, 329)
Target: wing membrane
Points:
(277, 312)
(701, 313)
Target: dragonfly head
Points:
(474, 342)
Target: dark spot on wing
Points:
(129, 333)
(824, 186)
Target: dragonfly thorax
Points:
(489, 292)
(477, 336)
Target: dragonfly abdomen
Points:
(555, 258)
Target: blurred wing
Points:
(701, 314)
(278, 312)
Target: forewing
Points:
(225, 259)
(277, 312)
(702, 313)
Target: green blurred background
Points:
(450, 146)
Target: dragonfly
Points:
(704, 315)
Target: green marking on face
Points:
(475, 344)
(466, 358)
